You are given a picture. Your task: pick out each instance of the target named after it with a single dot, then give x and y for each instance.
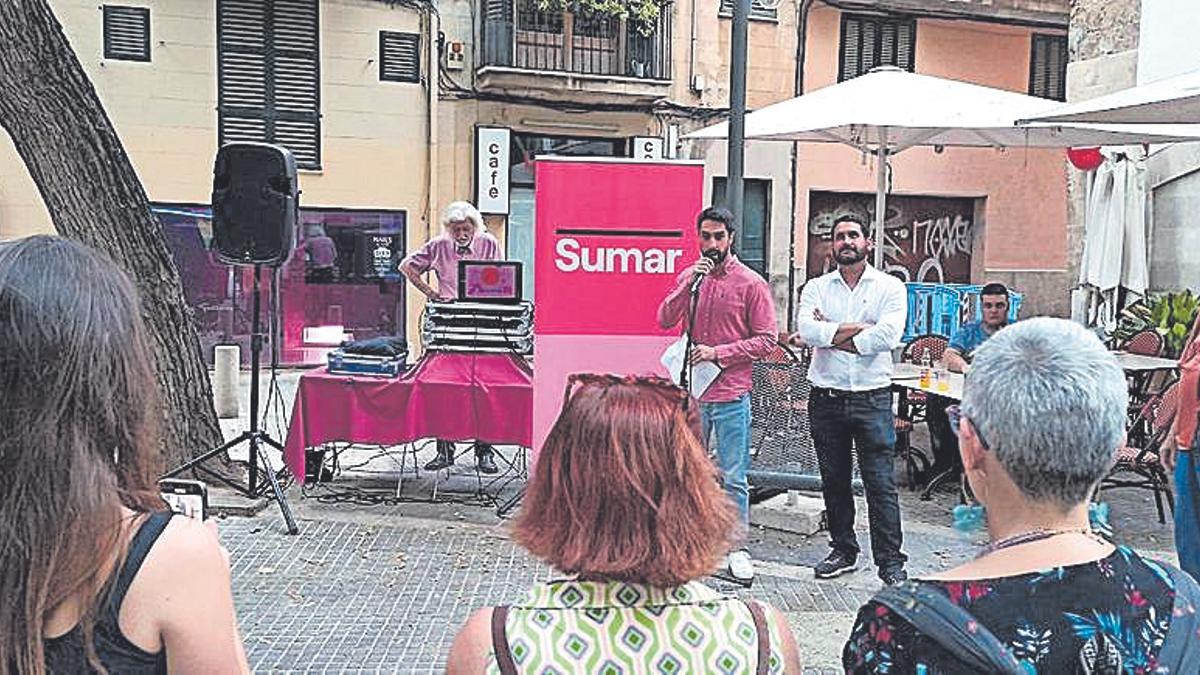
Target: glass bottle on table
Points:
(926, 369)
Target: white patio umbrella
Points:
(889, 110)
(1175, 100)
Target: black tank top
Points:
(66, 654)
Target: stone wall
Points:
(1100, 27)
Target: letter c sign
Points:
(647, 147)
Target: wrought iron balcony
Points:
(518, 35)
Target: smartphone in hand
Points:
(188, 497)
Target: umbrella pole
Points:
(880, 196)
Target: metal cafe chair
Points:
(911, 408)
(1137, 464)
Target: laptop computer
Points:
(489, 281)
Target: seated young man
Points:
(994, 304)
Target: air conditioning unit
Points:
(456, 55)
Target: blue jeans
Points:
(726, 429)
(845, 422)
(1187, 510)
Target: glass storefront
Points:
(343, 274)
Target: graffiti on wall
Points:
(925, 238)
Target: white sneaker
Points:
(741, 567)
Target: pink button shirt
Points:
(735, 314)
(441, 255)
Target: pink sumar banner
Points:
(611, 237)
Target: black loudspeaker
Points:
(255, 200)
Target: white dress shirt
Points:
(878, 299)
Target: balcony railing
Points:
(517, 34)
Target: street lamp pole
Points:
(734, 186)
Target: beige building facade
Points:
(382, 104)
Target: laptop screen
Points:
(489, 281)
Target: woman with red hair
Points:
(627, 503)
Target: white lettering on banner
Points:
(570, 256)
(491, 169)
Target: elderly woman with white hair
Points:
(1042, 417)
(463, 238)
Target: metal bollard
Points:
(227, 360)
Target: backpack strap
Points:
(764, 636)
(950, 626)
(1180, 652)
(504, 657)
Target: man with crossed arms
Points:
(853, 317)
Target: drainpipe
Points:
(433, 31)
(692, 49)
(801, 41)
(802, 9)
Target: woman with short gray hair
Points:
(1042, 418)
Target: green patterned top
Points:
(621, 628)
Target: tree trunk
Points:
(61, 131)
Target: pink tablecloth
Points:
(458, 397)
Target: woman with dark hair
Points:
(625, 501)
(96, 576)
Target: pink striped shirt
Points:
(735, 313)
(441, 255)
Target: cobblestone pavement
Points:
(383, 588)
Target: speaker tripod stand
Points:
(255, 436)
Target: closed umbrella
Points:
(1114, 251)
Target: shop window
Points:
(343, 272)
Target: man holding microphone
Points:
(734, 326)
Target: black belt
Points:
(842, 393)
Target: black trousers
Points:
(447, 447)
(843, 422)
(942, 438)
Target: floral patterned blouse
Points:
(1107, 616)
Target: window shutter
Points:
(242, 71)
(870, 41)
(851, 49)
(497, 32)
(906, 45)
(758, 10)
(126, 33)
(297, 80)
(399, 57)
(269, 75)
(1048, 67)
(869, 50)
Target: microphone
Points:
(698, 278)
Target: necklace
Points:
(1032, 536)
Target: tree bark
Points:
(62, 132)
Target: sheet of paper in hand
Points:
(703, 374)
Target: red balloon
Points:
(1085, 159)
